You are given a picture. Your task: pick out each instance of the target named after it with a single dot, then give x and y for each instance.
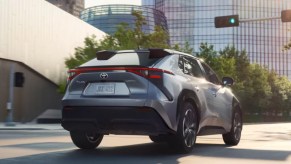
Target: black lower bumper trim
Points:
(114, 120)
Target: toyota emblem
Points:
(103, 75)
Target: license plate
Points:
(106, 89)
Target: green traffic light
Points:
(232, 20)
(226, 21)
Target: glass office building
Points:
(193, 21)
(73, 7)
(107, 17)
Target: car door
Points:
(217, 101)
(195, 75)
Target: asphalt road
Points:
(261, 143)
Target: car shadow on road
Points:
(147, 153)
(222, 151)
(271, 136)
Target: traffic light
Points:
(286, 16)
(226, 21)
(18, 79)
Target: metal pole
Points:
(258, 19)
(9, 119)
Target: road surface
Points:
(261, 143)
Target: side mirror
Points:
(227, 81)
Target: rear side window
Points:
(190, 66)
(125, 59)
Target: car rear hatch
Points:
(117, 76)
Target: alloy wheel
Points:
(189, 128)
(92, 137)
(237, 126)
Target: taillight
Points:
(72, 73)
(154, 75)
(150, 73)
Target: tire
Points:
(84, 140)
(158, 139)
(233, 137)
(185, 138)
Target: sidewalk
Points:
(31, 126)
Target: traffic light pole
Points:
(234, 21)
(259, 19)
(9, 119)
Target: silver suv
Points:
(169, 95)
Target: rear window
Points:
(124, 58)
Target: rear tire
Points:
(85, 140)
(233, 137)
(185, 138)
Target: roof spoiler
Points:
(105, 55)
(153, 53)
(158, 53)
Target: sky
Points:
(90, 3)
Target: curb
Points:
(25, 129)
(19, 126)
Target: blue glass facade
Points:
(107, 17)
(193, 21)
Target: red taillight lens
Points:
(73, 73)
(150, 73)
(140, 72)
(154, 75)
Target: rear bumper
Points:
(114, 120)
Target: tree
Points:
(258, 81)
(258, 90)
(241, 61)
(124, 38)
(281, 89)
(186, 49)
(208, 54)
(158, 39)
(83, 54)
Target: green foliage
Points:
(124, 38)
(259, 90)
(83, 54)
(281, 97)
(158, 39)
(208, 54)
(62, 87)
(186, 48)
